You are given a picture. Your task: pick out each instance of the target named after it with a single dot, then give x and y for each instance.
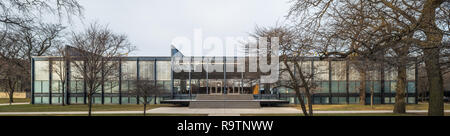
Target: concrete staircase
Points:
(224, 101)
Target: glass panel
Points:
(342, 87)
(97, 100)
(129, 70)
(377, 86)
(325, 100)
(411, 100)
(325, 87)
(73, 100)
(321, 70)
(125, 100)
(56, 100)
(146, 70)
(56, 86)
(41, 70)
(342, 100)
(163, 70)
(45, 86)
(338, 70)
(354, 100)
(133, 100)
(393, 87)
(411, 87)
(115, 87)
(80, 100)
(353, 72)
(58, 70)
(107, 100)
(38, 100)
(115, 100)
(37, 87)
(76, 70)
(390, 74)
(45, 100)
(387, 87)
(334, 87)
(411, 73)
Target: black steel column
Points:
(67, 62)
(33, 78)
(137, 79)
(347, 76)
(330, 100)
(120, 81)
(103, 83)
(382, 83)
(416, 79)
(224, 85)
(50, 71)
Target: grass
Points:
(346, 114)
(149, 115)
(16, 100)
(54, 108)
(357, 107)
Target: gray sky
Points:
(151, 25)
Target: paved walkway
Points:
(210, 112)
(6, 104)
(71, 113)
(264, 110)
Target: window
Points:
(353, 72)
(163, 70)
(37, 86)
(338, 70)
(146, 70)
(41, 70)
(321, 70)
(129, 70)
(353, 87)
(342, 87)
(411, 87)
(45, 86)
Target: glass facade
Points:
(336, 82)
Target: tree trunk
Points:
(145, 108)
(371, 96)
(154, 101)
(308, 97)
(89, 104)
(302, 102)
(431, 52)
(400, 103)
(362, 88)
(436, 102)
(11, 97)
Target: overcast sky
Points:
(151, 25)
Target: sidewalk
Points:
(210, 112)
(6, 104)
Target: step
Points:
(224, 101)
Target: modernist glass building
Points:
(338, 82)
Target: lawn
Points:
(16, 100)
(113, 115)
(357, 107)
(347, 114)
(54, 108)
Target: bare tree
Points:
(98, 51)
(145, 89)
(395, 22)
(12, 67)
(60, 68)
(295, 47)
